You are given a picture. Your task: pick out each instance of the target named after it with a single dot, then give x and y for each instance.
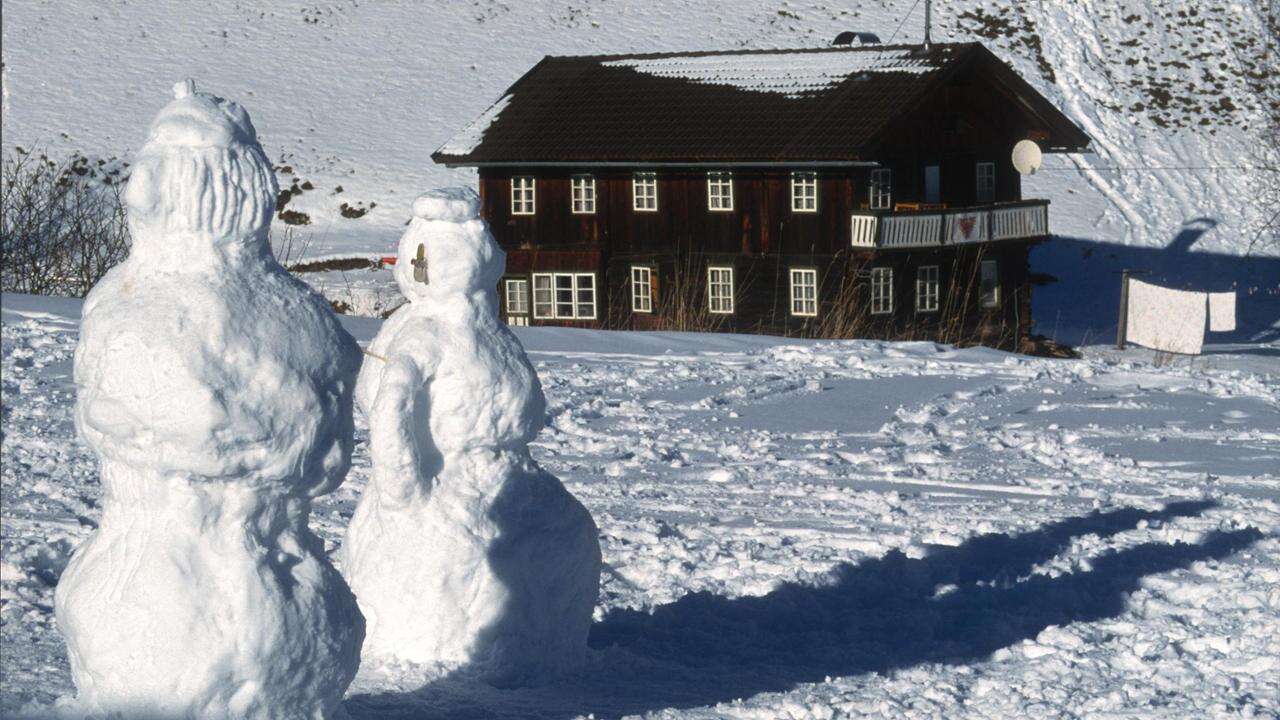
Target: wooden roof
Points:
(746, 106)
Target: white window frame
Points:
(720, 277)
(928, 288)
(523, 194)
(544, 298)
(516, 289)
(985, 182)
(995, 284)
(881, 291)
(804, 192)
(581, 289)
(641, 289)
(720, 191)
(880, 189)
(644, 192)
(582, 194)
(804, 292)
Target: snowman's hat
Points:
(200, 120)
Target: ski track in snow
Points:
(817, 529)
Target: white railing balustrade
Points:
(910, 230)
(864, 230)
(950, 227)
(1019, 222)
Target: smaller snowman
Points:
(464, 555)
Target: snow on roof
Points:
(470, 137)
(789, 73)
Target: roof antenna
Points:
(928, 18)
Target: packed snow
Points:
(814, 529)
(216, 392)
(465, 556)
(789, 74)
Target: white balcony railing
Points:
(960, 226)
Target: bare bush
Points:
(63, 224)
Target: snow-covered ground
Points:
(816, 529)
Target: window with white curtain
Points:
(564, 296)
(927, 288)
(804, 192)
(583, 189)
(989, 287)
(720, 290)
(522, 187)
(641, 289)
(644, 192)
(719, 191)
(804, 292)
(881, 291)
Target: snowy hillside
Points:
(813, 529)
(350, 98)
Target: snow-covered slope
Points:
(350, 99)
(357, 95)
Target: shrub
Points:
(62, 225)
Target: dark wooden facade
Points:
(968, 114)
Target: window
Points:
(584, 194)
(986, 182)
(517, 296)
(804, 192)
(927, 288)
(804, 292)
(543, 298)
(564, 296)
(720, 191)
(522, 195)
(881, 291)
(720, 290)
(989, 288)
(641, 289)
(880, 196)
(644, 192)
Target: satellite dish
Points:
(1027, 157)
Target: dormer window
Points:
(880, 194)
(804, 192)
(522, 187)
(719, 191)
(583, 194)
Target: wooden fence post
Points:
(1123, 325)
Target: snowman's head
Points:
(201, 180)
(461, 257)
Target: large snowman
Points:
(464, 554)
(216, 391)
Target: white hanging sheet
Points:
(1166, 319)
(1222, 311)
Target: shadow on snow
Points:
(956, 605)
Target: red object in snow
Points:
(387, 260)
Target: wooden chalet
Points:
(837, 192)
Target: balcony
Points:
(911, 225)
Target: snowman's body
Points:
(464, 554)
(216, 390)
